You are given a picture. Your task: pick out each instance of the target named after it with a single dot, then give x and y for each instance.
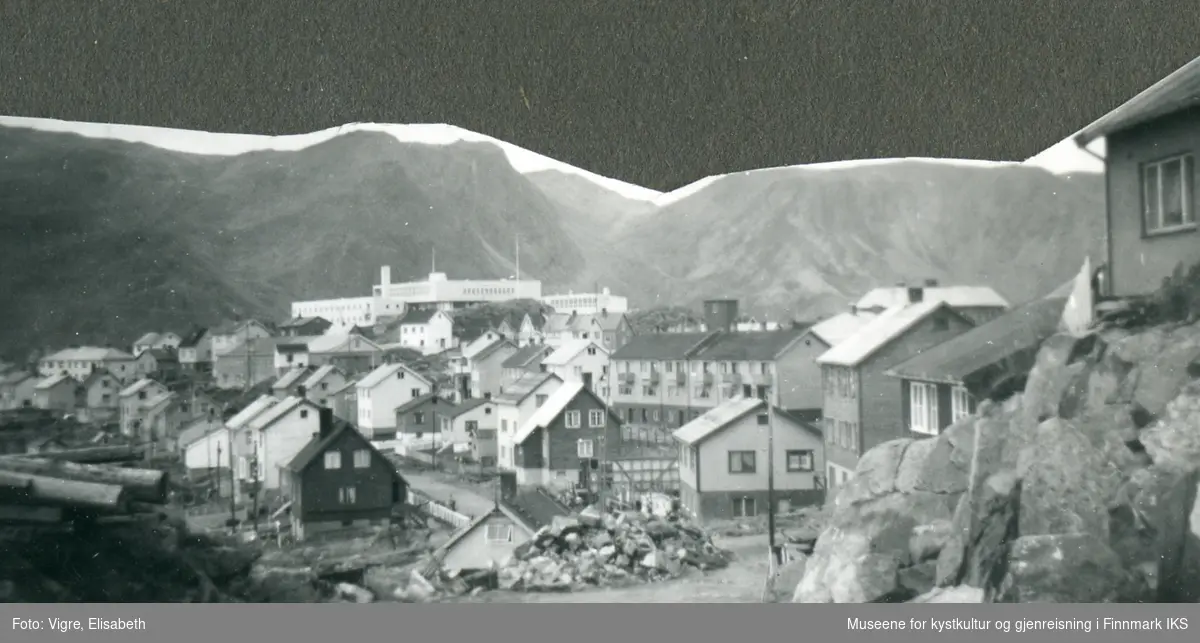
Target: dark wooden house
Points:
(1151, 145)
(339, 480)
(563, 442)
(425, 416)
(304, 327)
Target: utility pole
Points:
(248, 362)
(254, 483)
(232, 484)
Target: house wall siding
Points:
(475, 552)
(1138, 263)
(747, 435)
(800, 375)
(563, 452)
(283, 440)
(320, 487)
(491, 371)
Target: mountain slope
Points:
(802, 241)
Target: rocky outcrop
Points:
(1082, 488)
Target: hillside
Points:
(101, 239)
(804, 241)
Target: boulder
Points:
(1174, 440)
(959, 594)
(1061, 568)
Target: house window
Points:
(418, 418)
(960, 403)
(923, 411)
(472, 427)
(303, 413)
(596, 418)
(333, 459)
(141, 395)
(573, 419)
(499, 533)
(362, 458)
(799, 461)
(763, 420)
(744, 507)
(540, 400)
(741, 462)
(348, 495)
(1167, 195)
(416, 392)
(585, 448)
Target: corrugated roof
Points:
(982, 346)
(318, 375)
(52, 381)
(889, 325)
(527, 357)
(384, 371)
(549, 410)
(568, 350)
(1179, 91)
(241, 418)
(716, 419)
(291, 377)
(760, 346)
(955, 296)
(661, 346)
(838, 328)
(523, 387)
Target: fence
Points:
(437, 510)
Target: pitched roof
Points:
(550, 409)
(838, 328)
(198, 429)
(415, 316)
(384, 371)
(1180, 90)
(137, 386)
(469, 405)
(350, 385)
(955, 296)
(95, 376)
(568, 350)
(14, 378)
(87, 354)
(256, 346)
(880, 332)
(193, 337)
(268, 417)
(421, 400)
(147, 339)
(608, 321)
(535, 507)
(492, 348)
(318, 444)
(725, 414)
(163, 355)
(953, 361)
(233, 327)
(661, 346)
(52, 381)
(527, 357)
(343, 343)
(242, 417)
(291, 378)
(320, 374)
(759, 346)
(300, 322)
(522, 387)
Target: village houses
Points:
(101, 397)
(338, 479)
(426, 331)
(195, 351)
(527, 360)
(291, 382)
(144, 410)
(863, 406)
(579, 360)
(485, 363)
(16, 390)
(152, 340)
(350, 352)
(563, 436)
(1150, 147)
(424, 419)
(254, 359)
(473, 425)
(321, 385)
(231, 334)
(515, 406)
(79, 362)
(381, 392)
(305, 327)
(59, 392)
(724, 462)
(272, 438)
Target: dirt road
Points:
(469, 502)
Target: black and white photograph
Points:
(598, 302)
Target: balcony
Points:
(655, 377)
(708, 379)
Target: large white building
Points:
(587, 303)
(343, 313)
(442, 293)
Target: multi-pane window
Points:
(1167, 197)
(923, 408)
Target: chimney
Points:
(901, 284)
(853, 309)
(300, 391)
(931, 283)
(604, 312)
(720, 315)
(385, 275)
(326, 415)
(487, 395)
(916, 295)
(508, 484)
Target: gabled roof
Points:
(308, 454)
(268, 417)
(384, 371)
(955, 296)
(759, 346)
(418, 316)
(527, 357)
(343, 343)
(469, 405)
(523, 387)
(880, 332)
(535, 507)
(162, 355)
(725, 415)
(136, 387)
(87, 354)
(320, 374)
(568, 350)
(608, 321)
(661, 346)
(242, 417)
(1179, 91)
(481, 343)
(291, 378)
(234, 327)
(193, 338)
(96, 376)
(840, 327)
(953, 361)
(147, 339)
(14, 378)
(350, 385)
(297, 344)
(197, 430)
(300, 322)
(160, 399)
(422, 400)
(52, 381)
(548, 411)
(257, 346)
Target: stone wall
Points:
(1081, 488)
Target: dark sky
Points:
(654, 92)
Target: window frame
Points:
(1187, 169)
(926, 411)
(741, 459)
